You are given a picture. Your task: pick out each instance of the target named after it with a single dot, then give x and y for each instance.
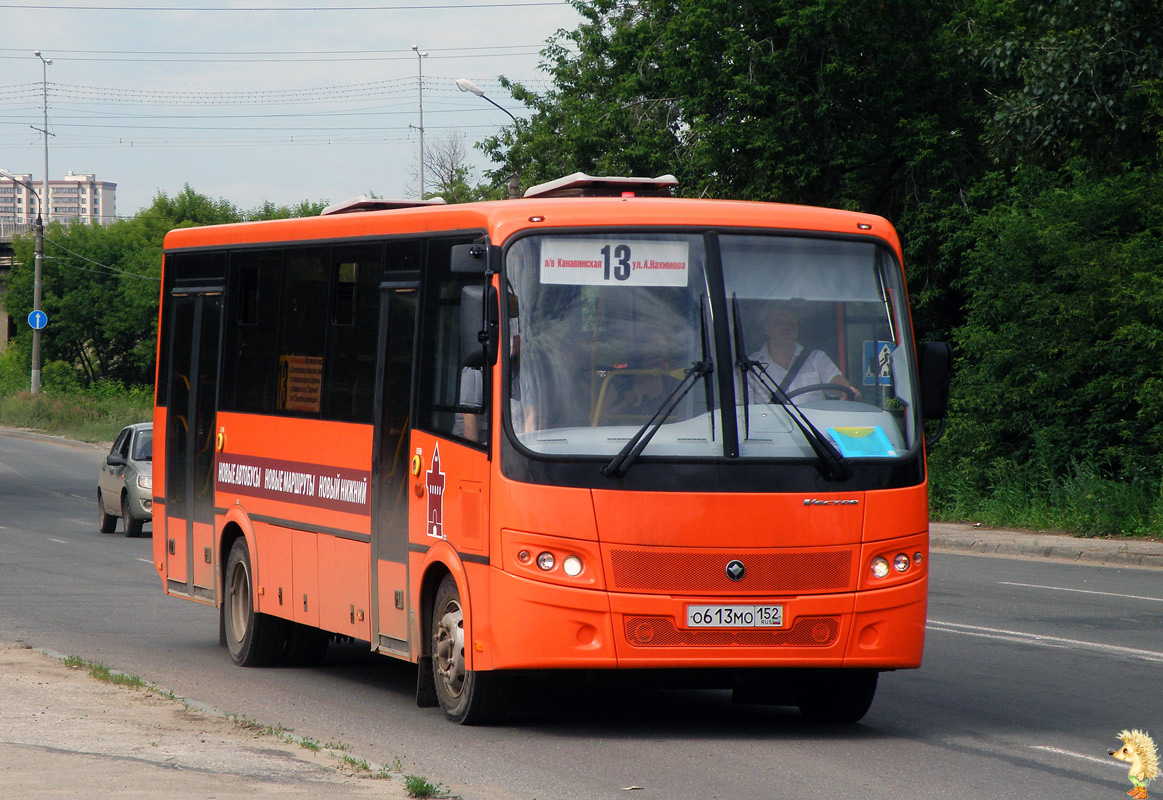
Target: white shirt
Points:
(817, 368)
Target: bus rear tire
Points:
(467, 697)
(836, 695)
(253, 639)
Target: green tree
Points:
(1060, 371)
(1077, 78)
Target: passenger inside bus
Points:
(638, 392)
(788, 363)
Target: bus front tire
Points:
(837, 695)
(467, 697)
(253, 639)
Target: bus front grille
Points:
(660, 632)
(706, 573)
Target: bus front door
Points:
(390, 469)
(196, 319)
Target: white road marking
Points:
(145, 561)
(1061, 752)
(1043, 641)
(1082, 591)
(58, 541)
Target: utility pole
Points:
(40, 220)
(420, 67)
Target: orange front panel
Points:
(889, 627)
(891, 513)
(693, 519)
(540, 626)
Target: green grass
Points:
(417, 786)
(89, 417)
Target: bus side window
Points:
(441, 374)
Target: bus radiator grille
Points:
(661, 632)
(769, 573)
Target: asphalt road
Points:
(1031, 668)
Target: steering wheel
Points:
(822, 387)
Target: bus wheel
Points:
(837, 695)
(467, 697)
(253, 639)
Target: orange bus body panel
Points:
(643, 551)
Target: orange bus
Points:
(595, 428)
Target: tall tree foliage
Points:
(1077, 78)
(869, 106)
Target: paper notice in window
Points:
(300, 383)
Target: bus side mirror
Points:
(478, 334)
(469, 259)
(936, 368)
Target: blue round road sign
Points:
(37, 320)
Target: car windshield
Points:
(604, 327)
(143, 446)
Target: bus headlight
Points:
(880, 567)
(902, 563)
(546, 561)
(572, 566)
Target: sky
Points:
(256, 101)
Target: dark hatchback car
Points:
(125, 485)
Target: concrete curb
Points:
(954, 537)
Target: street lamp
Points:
(420, 67)
(38, 259)
(465, 85)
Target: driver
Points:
(788, 363)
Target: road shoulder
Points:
(64, 733)
(955, 537)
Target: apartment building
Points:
(73, 198)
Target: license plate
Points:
(734, 616)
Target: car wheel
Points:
(466, 696)
(107, 523)
(132, 525)
(253, 639)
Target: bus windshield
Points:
(611, 334)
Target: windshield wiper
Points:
(832, 465)
(698, 369)
(626, 456)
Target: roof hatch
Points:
(365, 203)
(581, 185)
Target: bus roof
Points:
(503, 218)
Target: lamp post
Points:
(420, 68)
(465, 85)
(38, 259)
(40, 214)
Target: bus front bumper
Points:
(555, 627)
